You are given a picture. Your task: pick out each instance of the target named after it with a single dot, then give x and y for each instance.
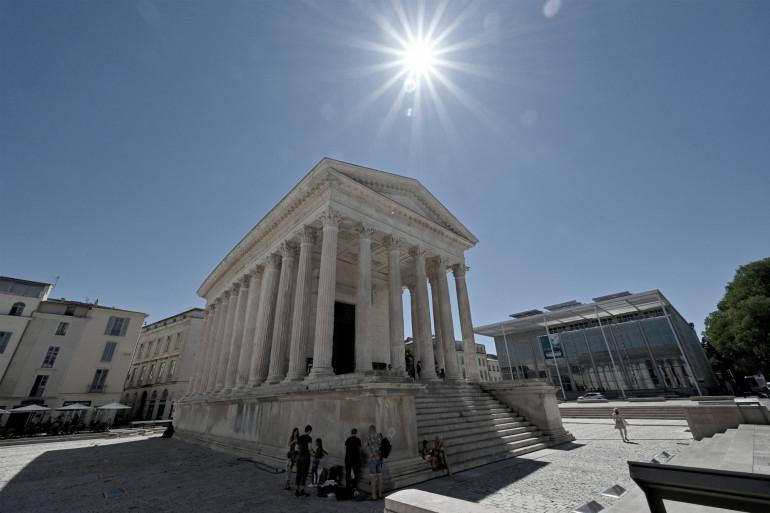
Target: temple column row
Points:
(258, 330)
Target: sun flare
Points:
(419, 58)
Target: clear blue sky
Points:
(607, 146)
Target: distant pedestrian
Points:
(303, 460)
(352, 459)
(291, 456)
(374, 457)
(419, 368)
(620, 424)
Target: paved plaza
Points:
(157, 475)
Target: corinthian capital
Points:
(392, 242)
(308, 235)
(364, 231)
(330, 218)
(288, 249)
(272, 260)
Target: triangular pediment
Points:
(407, 192)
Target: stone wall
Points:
(258, 425)
(706, 420)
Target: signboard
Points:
(554, 343)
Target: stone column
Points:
(217, 340)
(422, 333)
(395, 307)
(212, 345)
(364, 300)
(302, 304)
(327, 288)
(466, 324)
(415, 321)
(279, 357)
(227, 339)
(436, 302)
(447, 326)
(263, 330)
(247, 344)
(204, 347)
(236, 341)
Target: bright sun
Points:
(418, 58)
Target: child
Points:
(620, 424)
(318, 455)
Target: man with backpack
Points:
(377, 448)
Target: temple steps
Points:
(477, 430)
(631, 411)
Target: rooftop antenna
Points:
(55, 282)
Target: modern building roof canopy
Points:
(573, 311)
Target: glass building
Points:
(621, 344)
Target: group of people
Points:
(308, 457)
(435, 455)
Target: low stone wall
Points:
(417, 501)
(257, 424)
(706, 419)
(535, 400)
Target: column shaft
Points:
(447, 326)
(218, 339)
(422, 334)
(300, 321)
(279, 356)
(263, 330)
(395, 308)
(224, 352)
(436, 303)
(415, 321)
(237, 338)
(213, 345)
(247, 344)
(364, 301)
(327, 287)
(202, 349)
(466, 325)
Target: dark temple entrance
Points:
(344, 339)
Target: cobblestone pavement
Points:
(170, 476)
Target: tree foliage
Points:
(739, 330)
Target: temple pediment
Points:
(407, 192)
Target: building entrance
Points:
(344, 338)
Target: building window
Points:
(139, 353)
(50, 357)
(100, 377)
(178, 341)
(117, 326)
(141, 375)
(62, 328)
(150, 374)
(38, 388)
(131, 377)
(5, 337)
(168, 344)
(160, 371)
(109, 350)
(149, 348)
(70, 310)
(171, 369)
(17, 309)
(157, 346)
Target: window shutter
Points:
(124, 326)
(110, 323)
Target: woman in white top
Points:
(620, 424)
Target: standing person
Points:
(419, 368)
(620, 424)
(374, 457)
(318, 455)
(352, 459)
(303, 461)
(291, 456)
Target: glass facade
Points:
(635, 352)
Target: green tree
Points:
(739, 329)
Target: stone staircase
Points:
(477, 429)
(631, 411)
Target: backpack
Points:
(385, 448)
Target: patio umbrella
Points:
(74, 407)
(114, 406)
(30, 408)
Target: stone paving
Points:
(157, 475)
